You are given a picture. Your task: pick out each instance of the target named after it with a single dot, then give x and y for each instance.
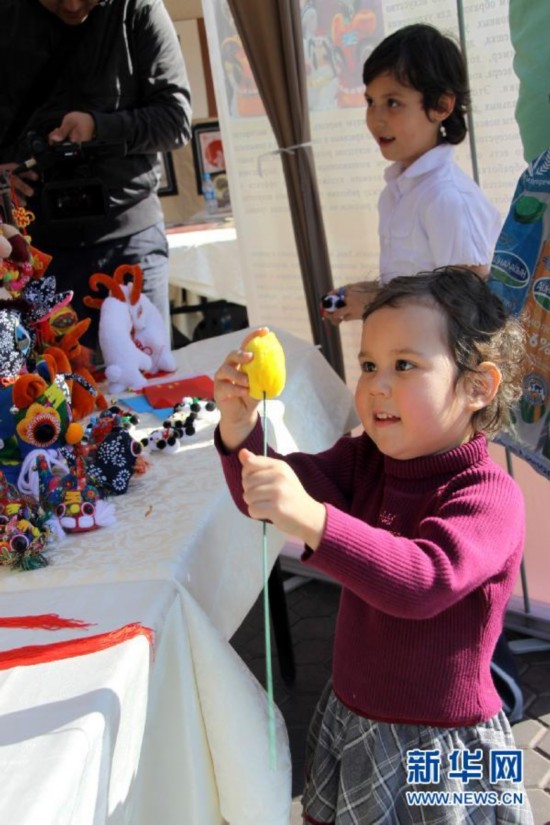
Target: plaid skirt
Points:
(360, 772)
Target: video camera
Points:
(69, 190)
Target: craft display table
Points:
(204, 259)
(132, 707)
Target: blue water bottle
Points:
(517, 251)
(209, 193)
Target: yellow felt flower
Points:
(267, 371)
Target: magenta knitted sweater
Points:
(427, 552)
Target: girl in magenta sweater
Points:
(425, 534)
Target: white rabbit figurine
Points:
(132, 334)
(150, 334)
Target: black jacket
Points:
(124, 66)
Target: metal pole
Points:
(523, 572)
(470, 116)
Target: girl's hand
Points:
(238, 410)
(273, 492)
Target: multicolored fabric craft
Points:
(23, 530)
(72, 498)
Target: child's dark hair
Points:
(478, 327)
(421, 57)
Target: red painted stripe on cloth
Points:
(44, 621)
(39, 654)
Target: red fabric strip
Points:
(38, 654)
(44, 621)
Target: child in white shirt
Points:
(431, 214)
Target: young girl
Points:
(431, 213)
(425, 534)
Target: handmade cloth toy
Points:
(73, 499)
(132, 335)
(43, 300)
(165, 439)
(112, 455)
(182, 422)
(189, 411)
(15, 341)
(83, 388)
(99, 427)
(35, 413)
(23, 530)
(21, 262)
(114, 462)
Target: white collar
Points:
(427, 162)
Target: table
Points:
(136, 710)
(205, 260)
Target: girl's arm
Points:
(473, 537)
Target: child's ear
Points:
(445, 107)
(482, 385)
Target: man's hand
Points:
(78, 127)
(21, 183)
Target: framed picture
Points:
(167, 185)
(208, 152)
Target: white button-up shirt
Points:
(432, 214)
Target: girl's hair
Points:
(421, 57)
(478, 329)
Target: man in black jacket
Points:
(106, 71)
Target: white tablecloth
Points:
(206, 261)
(143, 713)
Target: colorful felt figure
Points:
(150, 334)
(73, 499)
(42, 412)
(22, 263)
(15, 341)
(23, 530)
(114, 461)
(62, 321)
(189, 411)
(333, 301)
(165, 439)
(43, 301)
(132, 334)
(99, 426)
(16, 267)
(27, 481)
(84, 392)
(16, 399)
(125, 362)
(112, 455)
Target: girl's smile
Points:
(410, 398)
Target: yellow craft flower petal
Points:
(267, 371)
